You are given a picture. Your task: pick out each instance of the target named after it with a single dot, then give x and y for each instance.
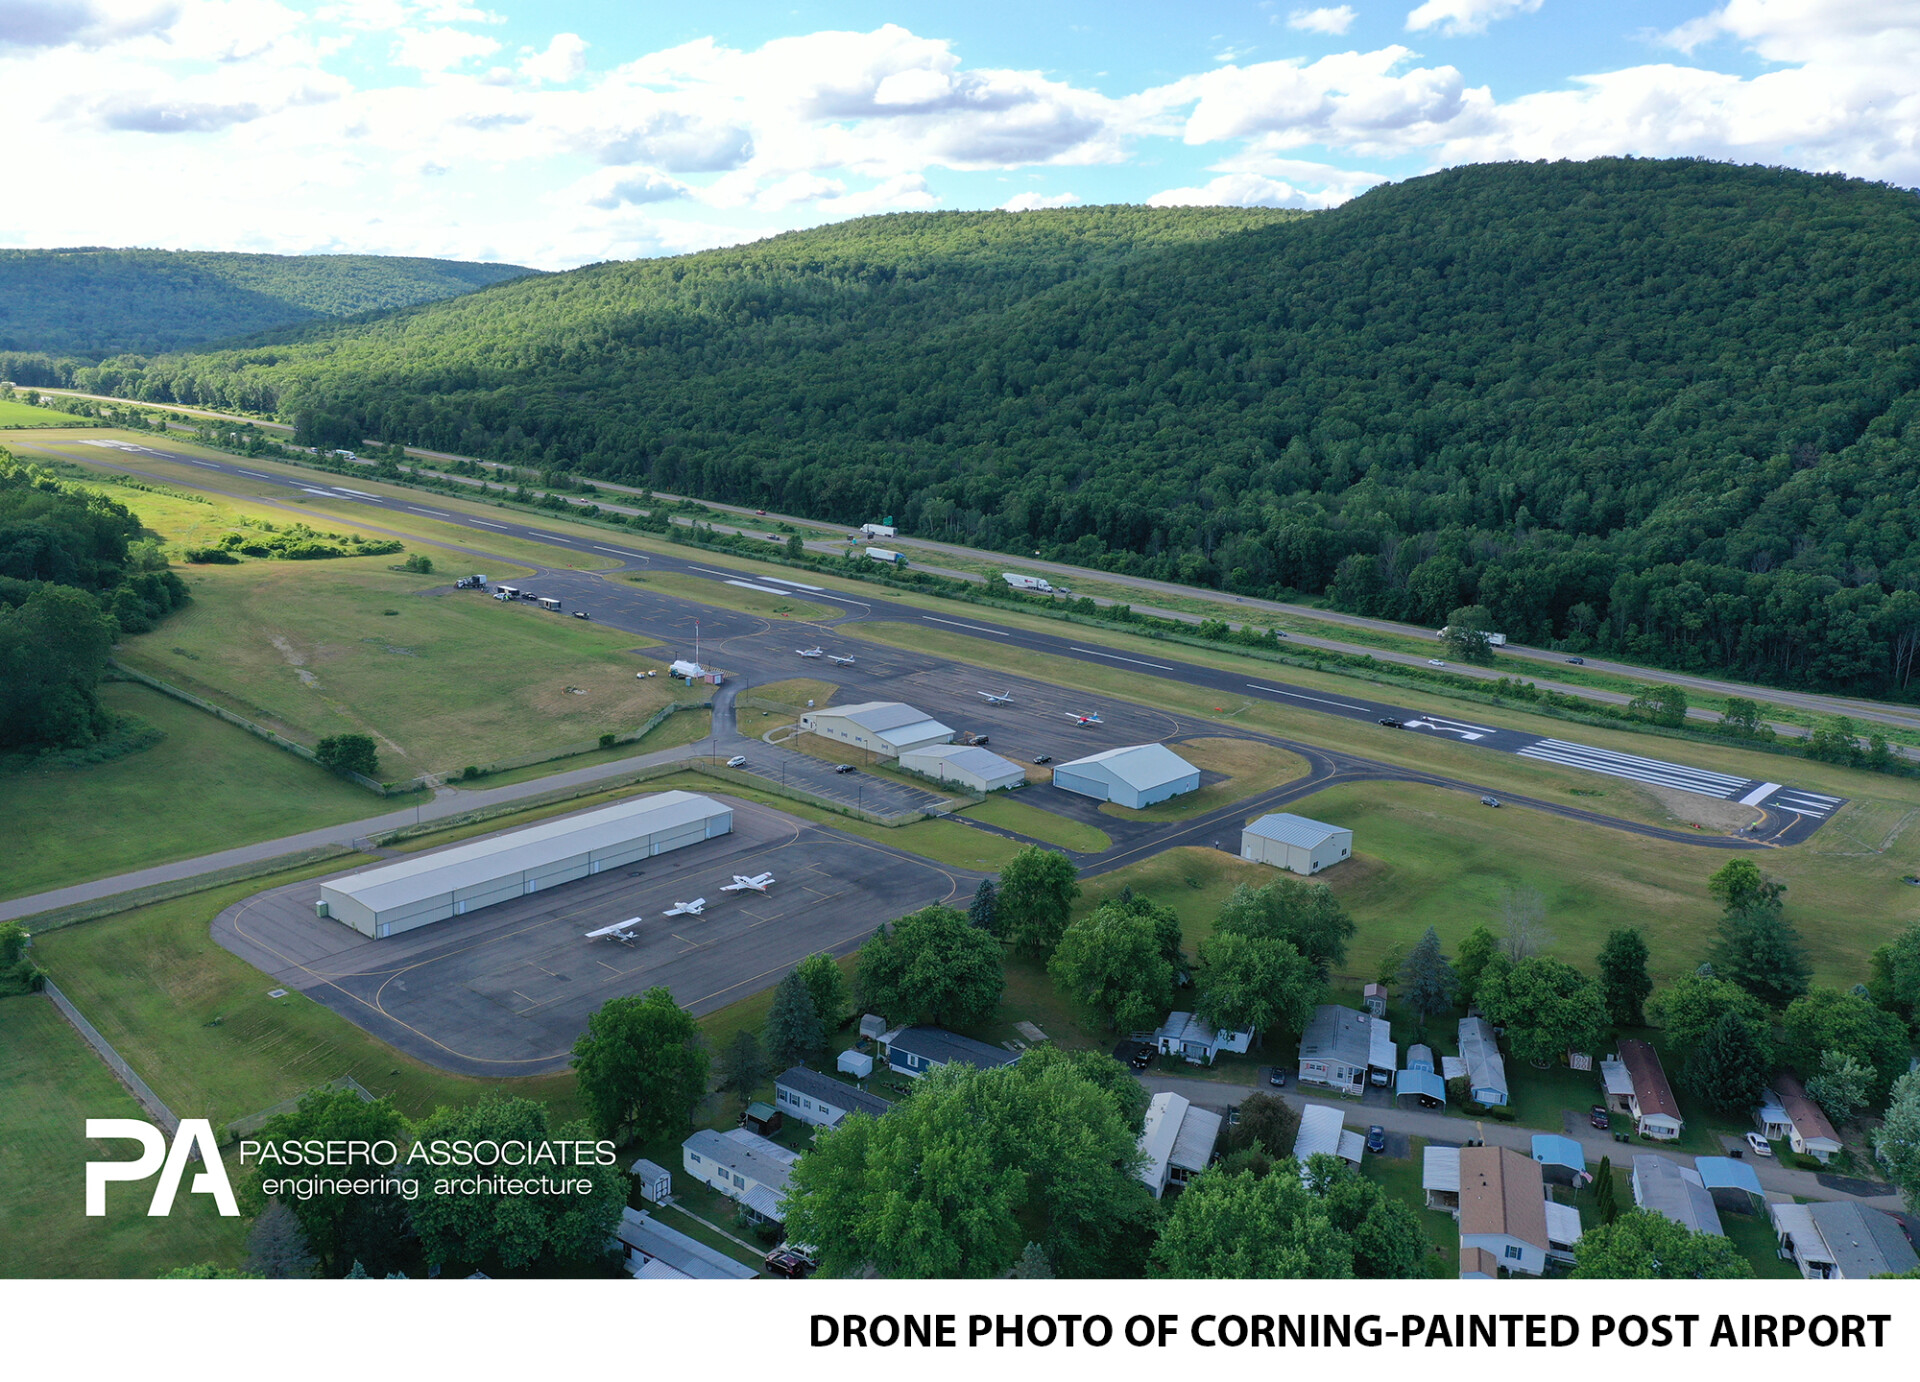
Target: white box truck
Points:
(1020, 582)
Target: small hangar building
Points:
(1295, 843)
(1135, 776)
(976, 769)
(888, 728)
(452, 882)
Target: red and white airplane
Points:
(741, 883)
(1092, 718)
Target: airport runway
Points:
(759, 650)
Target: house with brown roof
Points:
(1503, 1213)
(1656, 1113)
(1812, 1133)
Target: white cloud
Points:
(608, 188)
(89, 23)
(1363, 101)
(564, 60)
(1039, 201)
(437, 50)
(1455, 17)
(1336, 20)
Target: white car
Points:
(1435, 662)
(739, 760)
(1760, 1145)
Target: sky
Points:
(565, 133)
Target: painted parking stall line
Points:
(1652, 771)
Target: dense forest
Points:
(98, 302)
(1668, 409)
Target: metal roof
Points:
(1141, 766)
(1723, 1172)
(1862, 1242)
(687, 1256)
(1299, 831)
(648, 1171)
(974, 759)
(1199, 1131)
(1383, 1053)
(1420, 1057)
(835, 1093)
(1615, 1079)
(893, 721)
(1563, 1223)
(754, 1157)
(1420, 1082)
(1440, 1169)
(1551, 1149)
(1665, 1187)
(1319, 1131)
(440, 872)
(1158, 1133)
(1478, 1047)
(938, 1045)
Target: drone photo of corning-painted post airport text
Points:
(966, 716)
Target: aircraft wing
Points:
(615, 929)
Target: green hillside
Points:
(1661, 408)
(97, 302)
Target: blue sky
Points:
(561, 133)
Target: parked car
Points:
(793, 1265)
(759, 513)
(1277, 1078)
(1598, 1117)
(1577, 661)
(1043, 758)
(1376, 1139)
(1489, 801)
(581, 614)
(1142, 1057)
(1760, 1145)
(846, 768)
(739, 760)
(1391, 724)
(1436, 662)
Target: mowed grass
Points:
(796, 692)
(14, 413)
(1010, 814)
(207, 786)
(724, 596)
(438, 680)
(1247, 765)
(51, 1082)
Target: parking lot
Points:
(505, 990)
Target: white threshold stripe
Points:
(1302, 696)
(1760, 794)
(763, 589)
(484, 524)
(1652, 779)
(977, 628)
(1095, 652)
(615, 550)
(1695, 781)
(1656, 764)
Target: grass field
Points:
(207, 786)
(14, 413)
(724, 596)
(440, 681)
(1011, 814)
(1248, 766)
(796, 692)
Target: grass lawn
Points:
(725, 596)
(1194, 881)
(1011, 814)
(1753, 1235)
(684, 727)
(795, 691)
(51, 1082)
(14, 413)
(440, 681)
(207, 786)
(1249, 766)
(1400, 1178)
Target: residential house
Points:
(1486, 1069)
(744, 1167)
(1771, 1120)
(1195, 1041)
(1663, 1186)
(1503, 1217)
(656, 1252)
(1341, 1046)
(1656, 1113)
(916, 1050)
(1840, 1240)
(1177, 1140)
(1810, 1134)
(822, 1100)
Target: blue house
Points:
(916, 1050)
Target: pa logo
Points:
(170, 1162)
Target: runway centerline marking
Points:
(977, 628)
(1095, 652)
(1302, 696)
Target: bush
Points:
(607, 741)
(419, 562)
(210, 556)
(348, 753)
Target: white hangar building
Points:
(1295, 843)
(451, 882)
(1136, 776)
(888, 728)
(977, 769)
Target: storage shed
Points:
(1295, 843)
(1135, 776)
(888, 728)
(398, 897)
(855, 1063)
(652, 1180)
(976, 769)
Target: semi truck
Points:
(1020, 582)
(1499, 640)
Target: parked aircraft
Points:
(621, 931)
(1089, 719)
(843, 661)
(809, 652)
(686, 909)
(741, 883)
(1003, 698)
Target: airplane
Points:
(809, 652)
(686, 909)
(1004, 698)
(1090, 719)
(843, 661)
(741, 883)
(620, 931)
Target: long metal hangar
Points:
(451, 882)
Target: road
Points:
(1439, 1127)
(1877, 712)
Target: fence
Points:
(277, 740)
(253, 1122)
(774, 787)
(104, 1049)
(550, 755)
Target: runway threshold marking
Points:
(1095, 652)
(977, 628)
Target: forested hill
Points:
(98, 302)
(1665, 408)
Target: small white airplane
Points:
(741, 883)
(686, 909)
(621, 931)
(809, 652)
(843, 661)
(1003, 698)
(1089, 719)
